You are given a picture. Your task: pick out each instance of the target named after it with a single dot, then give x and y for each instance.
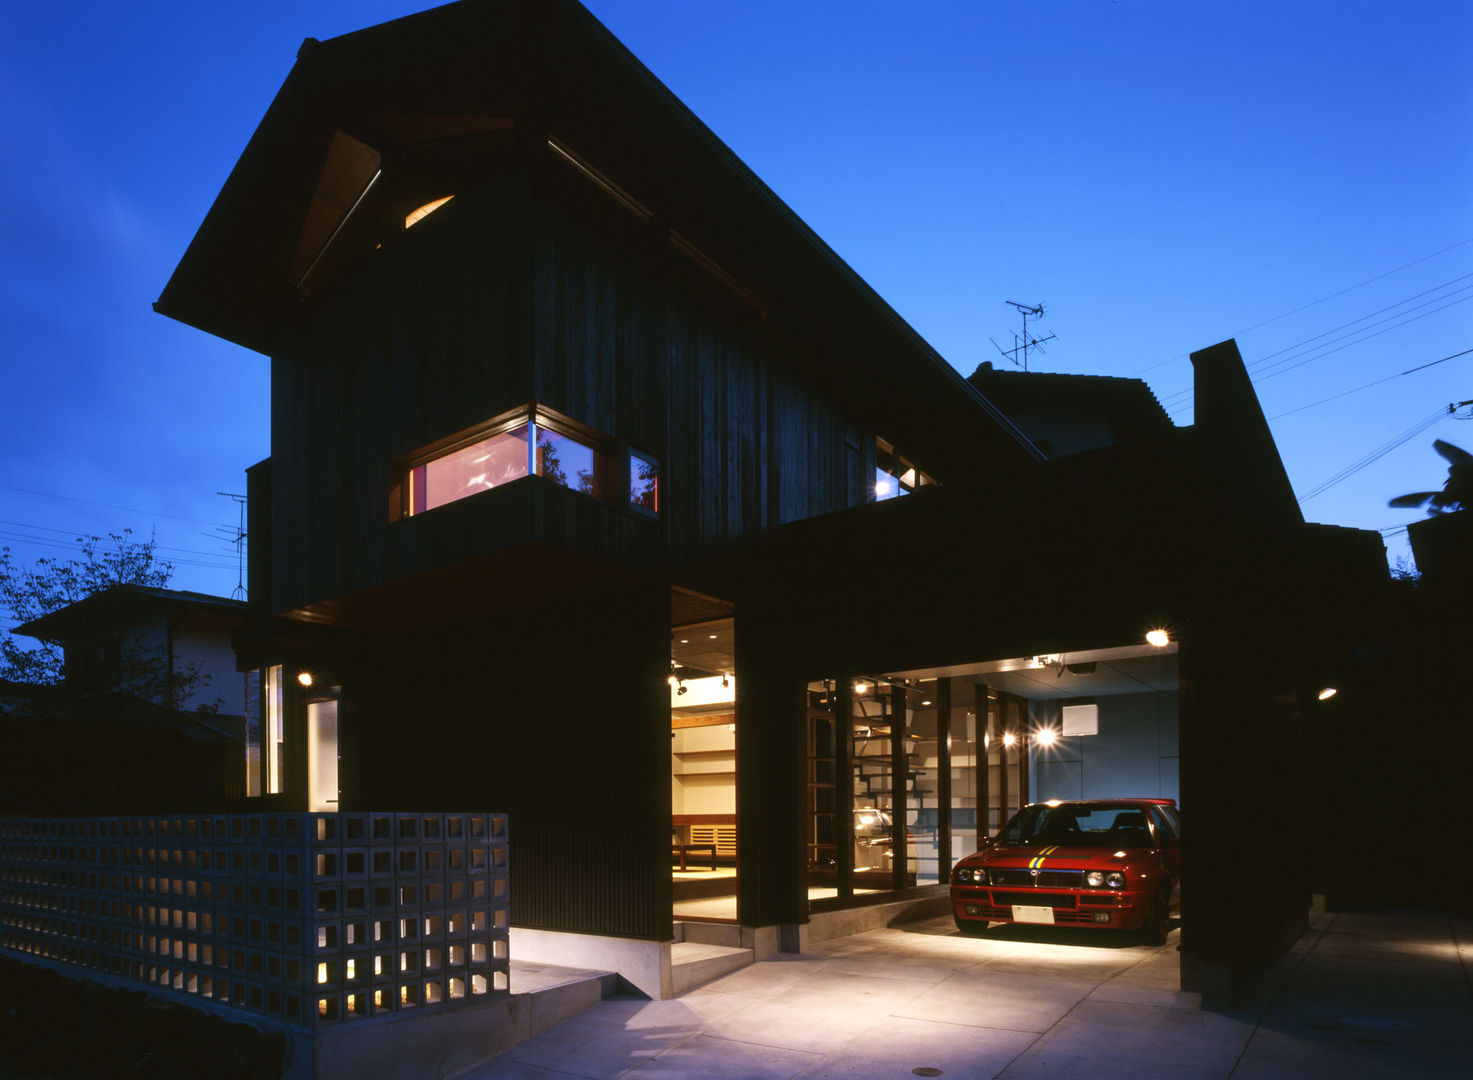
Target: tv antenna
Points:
(1021, 345)
(238, 539)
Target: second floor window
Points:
(529, 441)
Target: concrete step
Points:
(694, 964)
(551, 993)
(709, 933)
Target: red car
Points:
(1112, 864)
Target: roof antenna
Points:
(239, 592)
(1023, 344)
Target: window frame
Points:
(607, 486)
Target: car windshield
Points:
(1078, 825)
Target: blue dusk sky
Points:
(1160, 175)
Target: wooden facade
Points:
(605, 257)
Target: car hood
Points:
(1053, 855)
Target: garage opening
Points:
(910, 771)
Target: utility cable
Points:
(1170, 400)
(1321, 300)
(1381, 451)
(110, 506)
(1367, 386)
(1358, 341)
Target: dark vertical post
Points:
(844, 786)
(772, 771)
(1002, 757)
(899, 789)
(943, 778)
(1025, 751)
(984, 772)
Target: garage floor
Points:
(1372, 997)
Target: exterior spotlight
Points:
(1158, 638)
(1327, 693)
(725, 682)
(681, 689)
(673, 681)
(304, 677)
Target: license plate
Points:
(1024, 914)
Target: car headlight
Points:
(1094, 879)
(1115, 880)
(972, 875)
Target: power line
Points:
(1381, 451)
(1367, 386)
(1169, 400)
(1321, 300)
(1366, 337)
(78, 534)
(71, 545)
(107, 506)
(1358, 341)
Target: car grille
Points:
(1047, 879)
(1034, 899)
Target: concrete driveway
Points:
(1358, 996)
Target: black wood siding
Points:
(536, 290)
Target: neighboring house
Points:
(167, 647)
(569, 409)
(1068, 414)
(148, 717)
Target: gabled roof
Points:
(382, 120)
(122, 602)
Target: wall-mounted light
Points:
(861, 687)
(1046, 736)
(725, 682)
(1159, 638)
(674, 681)
(1008, 738)
(680, 689)
(1327, 693)
(304, 677)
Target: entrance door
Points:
(322, 755)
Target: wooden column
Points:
(943, 778)
(984, 773)
(772, 787)
(1002, 758)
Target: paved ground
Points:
(1372, 997)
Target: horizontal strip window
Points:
(530, 441)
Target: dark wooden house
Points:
(569, 409)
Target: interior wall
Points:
(703, 770)
(1135, 753)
